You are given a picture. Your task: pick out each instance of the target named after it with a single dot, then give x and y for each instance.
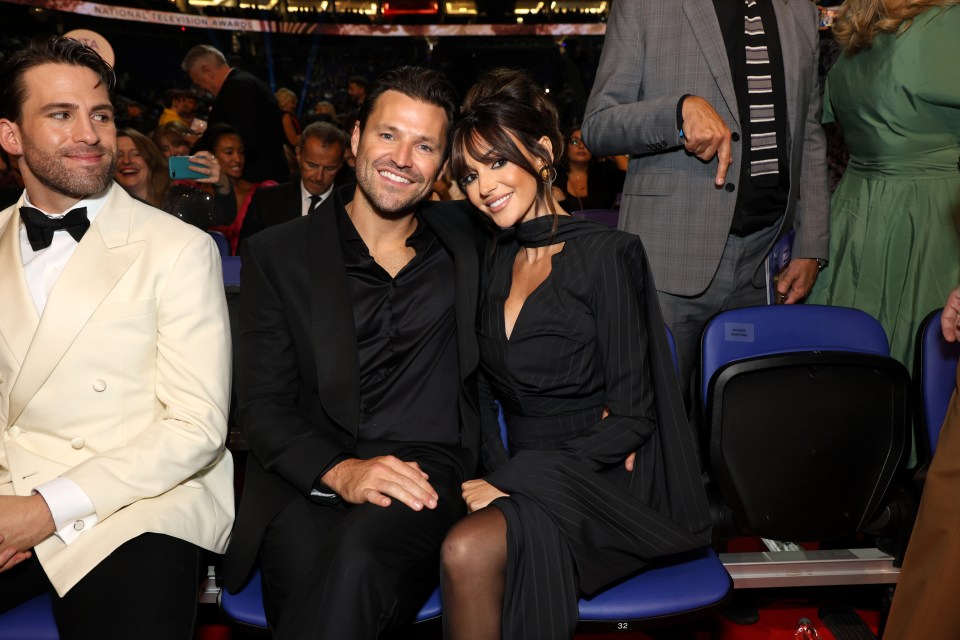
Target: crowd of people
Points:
(421, 271)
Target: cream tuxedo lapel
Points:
(18, 314)
(101, 259)
(706, 29)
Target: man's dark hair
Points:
(170, 95)
(46, 50)
(419, 83)
(325, 132)
(208, 141)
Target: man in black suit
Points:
(356, 360)
(320, 158)
(244, 102)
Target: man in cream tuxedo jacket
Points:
(114, 370)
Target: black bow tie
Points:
(40, 227)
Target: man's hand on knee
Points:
(381, 479)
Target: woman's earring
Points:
(548, 174)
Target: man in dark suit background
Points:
(681, 83)
(356, 362)
(243, 101)
(320, 159)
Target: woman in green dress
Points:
(894, 242)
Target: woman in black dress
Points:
(573, 346)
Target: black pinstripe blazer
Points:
(580, 478)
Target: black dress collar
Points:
(539, 232)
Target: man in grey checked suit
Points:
(680, 90)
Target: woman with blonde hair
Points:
(894, 246)
(174, 139)
(141, 168)
(291, 125)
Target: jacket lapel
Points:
(100, 260)
(18, 314)
(787, 26)
(464, 247)
(706, 29)
(334, 330)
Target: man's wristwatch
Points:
(821, 264)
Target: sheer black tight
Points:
(473, 570)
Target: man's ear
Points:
(355, 138)
(10, 137)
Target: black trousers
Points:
(146, 589)
(355, 571)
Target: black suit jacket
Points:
(297, 371)
(281, 203)
(271, 206)
(245, 103)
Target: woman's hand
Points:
(204, 162)
(479, 493)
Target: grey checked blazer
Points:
(655, 52)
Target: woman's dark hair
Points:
(566, 151)
(504, 115)
(208, 141)
(46, 50)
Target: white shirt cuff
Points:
(71, 508)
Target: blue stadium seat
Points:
(758, 331)
(692, 583)
(231, 272)
(222, 243)
(246, 607)
(32, 620)
(935, 375)
(807, 421)
(684, 586)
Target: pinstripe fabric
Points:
(576, 520)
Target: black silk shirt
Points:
(406, 338)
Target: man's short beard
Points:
(53, 174)
(367, 183)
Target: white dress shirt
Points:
(305, 196)
(72, 510)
